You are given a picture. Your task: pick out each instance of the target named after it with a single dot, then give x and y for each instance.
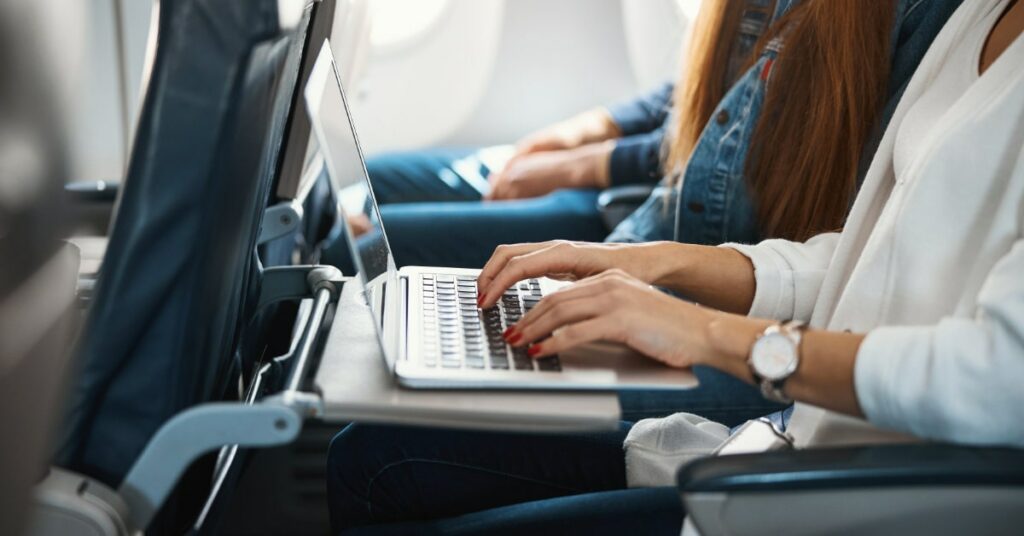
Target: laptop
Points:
(432, 334)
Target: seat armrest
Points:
(871, 466)
(890, 489)
(616, 204)
(93, 191)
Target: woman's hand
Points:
(617, 307)
(540, 173)
(561, 259)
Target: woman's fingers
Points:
(587, 298)
(602, 328)
(500, 187)
(516, 267)
(498, 260)
(585, 288)
(561, 314)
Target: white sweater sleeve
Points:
(788, 275)
(957, 380)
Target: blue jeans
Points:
(397, 480)
(434, 217)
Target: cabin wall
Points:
(482, 72)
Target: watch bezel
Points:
(790, 367)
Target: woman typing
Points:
(916, 315)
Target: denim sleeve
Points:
(637, 159)
(644, 113)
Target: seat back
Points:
(37, 271)
(181, 274)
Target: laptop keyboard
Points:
(458, 335)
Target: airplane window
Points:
(397, 22)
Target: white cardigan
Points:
(931, 266)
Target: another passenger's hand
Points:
(561, 259)
(588, 127)
(538, 174)
(360, 224)
(616, 307)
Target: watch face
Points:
(773, 356)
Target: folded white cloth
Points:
(657, 448)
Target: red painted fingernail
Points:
(509, 331)
(516, 337)
(533, 350)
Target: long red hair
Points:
(824, 97)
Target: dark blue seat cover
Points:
(181, 273)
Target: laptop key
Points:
(523, 364)
(550, 364)
(521, 360)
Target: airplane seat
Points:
(169, 325)
(95, 202)
(293, 182)
(38, 271)
(918, 488)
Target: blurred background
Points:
(425, 72)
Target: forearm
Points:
(824, 378)
(586, 166)
(594, 126)
(720, 278)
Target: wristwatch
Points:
(775, 356)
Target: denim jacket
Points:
(712, 204)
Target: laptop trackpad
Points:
(633, 370)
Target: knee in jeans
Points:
(349, 460)
(347, 450)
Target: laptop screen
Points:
(335, 133)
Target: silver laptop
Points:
(431, 331)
